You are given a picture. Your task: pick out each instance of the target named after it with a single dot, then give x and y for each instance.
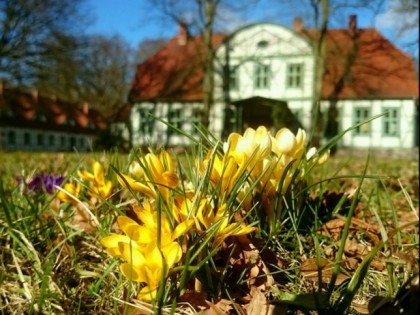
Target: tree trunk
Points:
(208, 84)
(319, 54)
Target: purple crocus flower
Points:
(42, 182)
(50, 181)
(36, 183)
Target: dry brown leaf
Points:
(222, 307)
(350, 248)
(309, 269)
(377, 265)
(334, 224)
(249, 255)
(194, 298)
(360, 308)
(362, 225)
(258, 304)
(354, 248)
(82, 219)
(409, 260)
(352, 263)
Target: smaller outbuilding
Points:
(31, 122)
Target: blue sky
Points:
(132, 20)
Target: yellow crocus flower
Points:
(289, 146)
(135, 170)
(161, 172)
(224, 171)
(146, 259)
(97, 181)
(127, 181)
(207, 217)
(72, 191)
(250, 149)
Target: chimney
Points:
(297, 24)
(182, 34)
(85, 108)
(352, 23)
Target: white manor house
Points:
(264, 70)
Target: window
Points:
(146, 121)
(51, 140)
(11, 137)
(72, 142)
(234, 78)
(63, 141)
(40, 139)
(262, 75)
(262, 44)
(361, 114)
(175, 118)
(294, 75)
(82, 142)
(27, 138)
(391, 121)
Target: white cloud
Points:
(397, 22)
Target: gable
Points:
(259, 40)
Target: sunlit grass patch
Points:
(257, 222)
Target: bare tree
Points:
(107, 72)
(202, 17)
(25, 25)
(407, 12)
(148, 47)
(321, 16)
(208, 7)
(95, 69)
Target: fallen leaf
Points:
(83, 219)
(309, 270)
(258, 304)
(222, 307)
(360, 308)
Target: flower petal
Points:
(182, 228)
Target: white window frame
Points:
(294, 76)
(360, 114)
(391, 122)
(262, 76)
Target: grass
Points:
(344, 239)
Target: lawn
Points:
(208, 232)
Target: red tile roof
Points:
(173, 73)
(366, 66)
(22, 109)
(378, 69)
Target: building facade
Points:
(264, 70)
(30, 122)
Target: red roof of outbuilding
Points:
(23, 109)
(365, 65)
